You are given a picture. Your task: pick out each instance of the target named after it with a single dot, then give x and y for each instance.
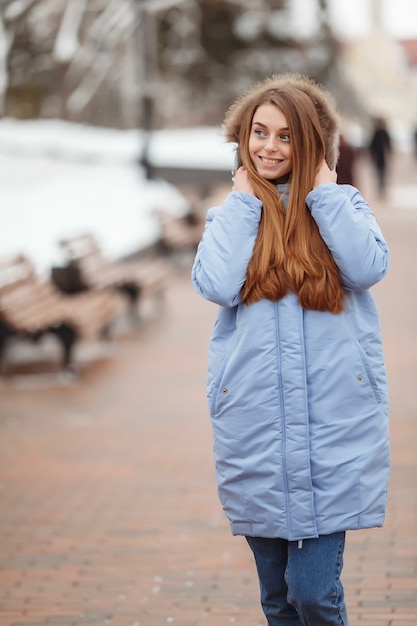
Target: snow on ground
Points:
(58, 179)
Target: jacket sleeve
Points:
(350, 230)
(222, 258)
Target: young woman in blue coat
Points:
(296, 381)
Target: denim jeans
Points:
(300, 586)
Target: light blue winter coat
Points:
(297, 398)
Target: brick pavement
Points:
(109, 511)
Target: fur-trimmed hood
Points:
(323, 101)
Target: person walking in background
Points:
(296, 383)
(380, 149)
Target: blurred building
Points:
(383, 73)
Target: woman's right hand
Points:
(324, 175)
(241, 181)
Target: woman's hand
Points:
(241, 181)
(324, 175)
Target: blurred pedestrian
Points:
(346, 162)
(296, 379)
(380, 148)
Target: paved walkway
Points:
(109, 511)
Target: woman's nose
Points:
(271, 144)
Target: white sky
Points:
(352, 17)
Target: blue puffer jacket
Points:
(297, 398)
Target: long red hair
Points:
(289, 252)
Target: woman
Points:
(296, 381)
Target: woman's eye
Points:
(285, 138)
(259, 133)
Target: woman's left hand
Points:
(241, 181)
(324, 175)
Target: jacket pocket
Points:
(370, 373)
(215, 386)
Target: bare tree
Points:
(103, 61)
(11, 13)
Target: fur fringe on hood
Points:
(323, 101)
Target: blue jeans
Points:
(301, 586)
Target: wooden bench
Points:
(147, 277)
(180, 233)
(31, 307)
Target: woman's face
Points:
(270, 143)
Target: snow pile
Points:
(59, 179)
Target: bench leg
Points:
(133, 292)
(67, 336)
(5, 333)
(3, 341)
(130, 290)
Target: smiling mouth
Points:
(270, 161)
